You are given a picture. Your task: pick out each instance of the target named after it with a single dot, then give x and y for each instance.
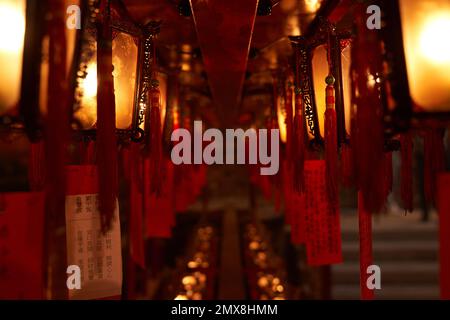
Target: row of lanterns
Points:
(24, 64)
(413, 46)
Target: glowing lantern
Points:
(417, 60)
(132, 59)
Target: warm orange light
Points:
(124, 60)
(12, 31)
(426, 29)
(320, 72)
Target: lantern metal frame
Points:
(399, 113)
(325, 32)
(144, 36)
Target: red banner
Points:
(21, 245)
(321, 219)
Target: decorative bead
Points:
(329, 80)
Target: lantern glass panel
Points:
(347, 84)
(12, 32)
(320, 72)
(426, 29)
(124, 59)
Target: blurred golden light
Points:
(12, 32)
(432, 44)
(189, 280)
(312, 5)
(263, 282)
(181, 297)
(426, 29)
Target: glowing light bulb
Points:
(433, 43)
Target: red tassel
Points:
(368, 132)
(298, 146)
(289, 120)
(388, 174)
(346, 166)
(106, 125)
(331, 155)
(406, 171)
(36, 171)
(155, 140)
(433, 162)
(365, 247)
(87, 152)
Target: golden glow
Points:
(181, 297)
(432, 43)
(347, 85)
(320, 72)
(312, 5)
(426, 29)
(124, 60)
(12, 26)
(12, 31)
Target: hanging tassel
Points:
(346, 166)
(36, 171)
(155, 137)
(368, 133)
(87, 152)
(365, 247)
(106, 124)
(298, 145)
(289, 121)
(406, 171)
(433, 162)
(331, 145)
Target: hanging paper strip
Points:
(365, 247)
(98, 254)
(21, 245)
(321, 219)
(443, 204)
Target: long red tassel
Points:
(406, 171)
(388, 174)
(365, 247)
(289, 120)
(433, 162)
(331, 150)
(106, 124)
(155, 139)
(369, 132)
(346, 166)
(36, 171)
(56, 140)
(298, 146)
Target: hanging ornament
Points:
(106, 121)
(331, 149)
